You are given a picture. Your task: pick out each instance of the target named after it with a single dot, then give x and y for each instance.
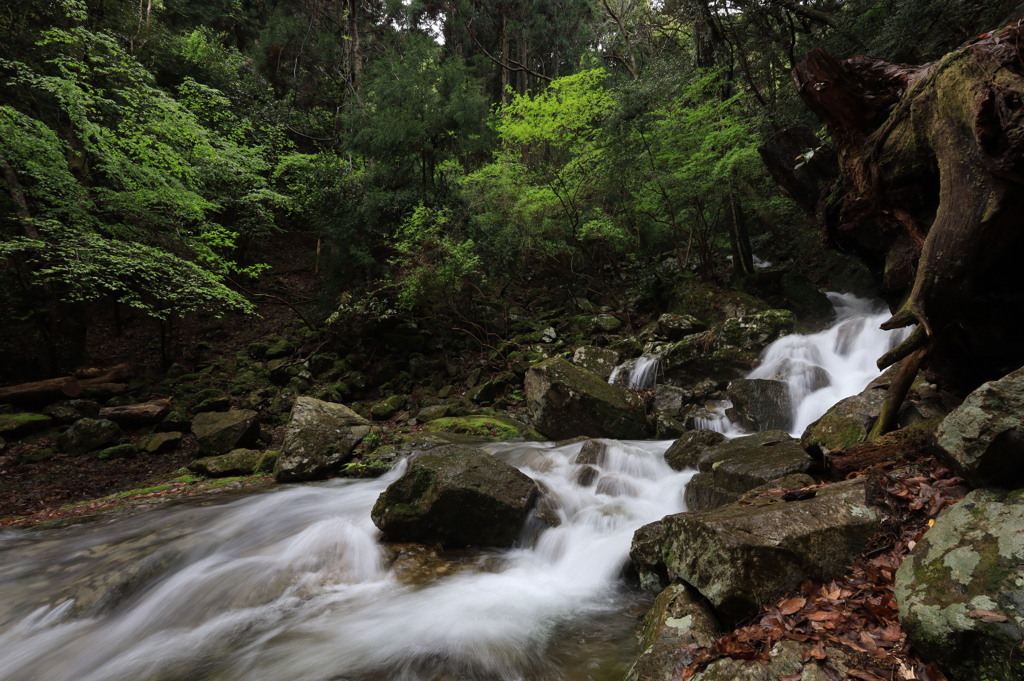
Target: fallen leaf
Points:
(865, 675)
(987, 616)
(792, 605)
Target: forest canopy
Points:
(444, 154)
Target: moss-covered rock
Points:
(675, 327)
(566, 401)
(741, 556)
(126, 450)
(732, 467)
(86, 435)
(983, 438)
(13, 426)
(960, 589)
(847, 422)
(456, 496)
(388, 407)
(235, 462)
(486, 426)
(677, 619)
(599, 361)
(319, 440)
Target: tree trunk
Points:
(930, 193)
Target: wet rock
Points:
(959, 590)
(86, 435)
(732, 467)
(983, 438)
(220, 432)
(592, 453)
(599, 361)
(566, 401)
(318, 440)
(669, 402)
(689, 448)
(741, 556)
(456, 496)
(14, 426)
(848, 421)
(235, 462)
(676, 619)
(760, 404)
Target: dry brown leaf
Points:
(824, 616)
(792, 605)
(987, 616)
(865, 675)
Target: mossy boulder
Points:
(599, 361)
(486, 426)
(847, 422)
(675, 327)
(388, 407)
(677, 619)
(566, 401)
(234, 463)
(732, 467)
(219, 432)
(741, 556)
(85, 435)
(686, 451)
(14, 426)
(959, 590)
(318, 440)
(456, 496)
(983, 438)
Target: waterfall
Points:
(638, 373)
(823, 368)
(293, 584)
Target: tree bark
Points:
(929, 193)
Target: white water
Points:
(638, 373)
(823, 368)
(290, 585)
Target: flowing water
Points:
(292, 584)
(823, 368)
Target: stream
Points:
(293, 585)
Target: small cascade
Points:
(823, 368)
(638, 373)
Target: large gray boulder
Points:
(318, 440)
(742, 556)
(566, 401)
(599, 361)
(235, 462)
(456, 495)
(960, 589)
(732, 467)
(984, 437)
(669, 403)
(678, 618)
(760, 404)
(220, 432)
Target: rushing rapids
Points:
(294, 585)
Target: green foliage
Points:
(435, 270)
